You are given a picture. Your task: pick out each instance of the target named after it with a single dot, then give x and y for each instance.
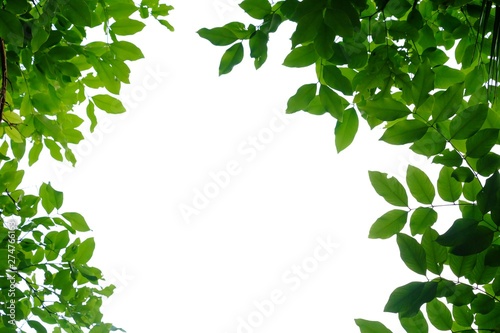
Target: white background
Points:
(184, 123)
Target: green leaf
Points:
(405, 131)
(11, 29)
(367, 326)
(385, 108)
(232, 57)
(463, 293)
(77, 12)
(491, 319)
(449, 158)
(323, 43)
(407, 300)
(389, 188)
(439, 315)
(126, 51)
(446, 104)
(302, 98)
(346, 130)
(301, 56)
(412, 253)
(436, 254)
(125, 27)
(482, 304)
(334, 78)
(481, 143)
(420, 185)
(463, 315)
(488, 164)
(218, 36)
(467, 122)
(34, 153)
(460, 266)
(77, 221)
(331, 102)
(422, 84)
(85, 251)
(449, 188)
(415, 324)
(257, 9)
(421, 219)
(432, 143)
(108, 103)
(463, 174)
(388, 224)
(39, 328)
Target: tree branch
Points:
(3, 89)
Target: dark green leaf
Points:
(446, 104)
(488, 164)
(449, 158)
(422, 84)
(463, 315)
(11, 29)
(331, 102)
(407, 300)
(436, 254)
(335, 79)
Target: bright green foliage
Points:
(48, 68)
(394, 64)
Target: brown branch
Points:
(3, 89)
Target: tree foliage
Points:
(427, 73)
(49, 71)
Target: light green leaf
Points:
(405, 131)
(415, 324)
(412, 253)
(301, 56)
(334, 78)
(218, 36)
(257, 9)
(125, 27)
(331, 102)
(388, 224)
(389, 188)
(302, 98)
(421, 219)
(439, 315)
(232, 57)
(126, 51)
(108, 103)
(385, 108)
(77, 221)
(420, 185)
(481, 143)
(449, 188)
(85, 251)
(467, 122)
(367, 326)
(463, 315)
(346, 130)
(446, 104)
